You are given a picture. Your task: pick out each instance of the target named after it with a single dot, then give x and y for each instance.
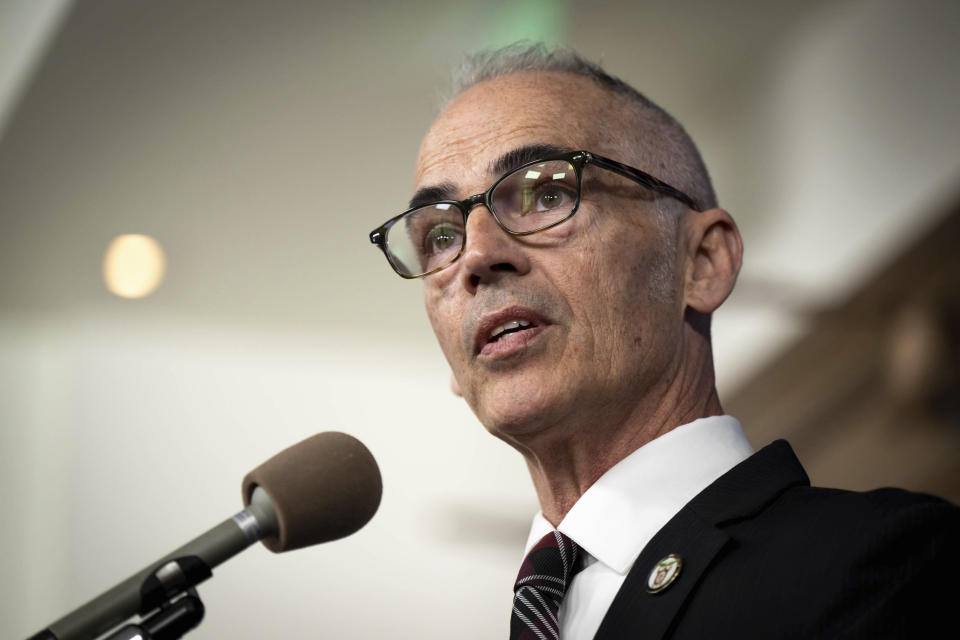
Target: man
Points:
(572, 299)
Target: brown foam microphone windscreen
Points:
(323, 488)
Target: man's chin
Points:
(518, 428)
(520, 403)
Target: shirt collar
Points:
(619, 514)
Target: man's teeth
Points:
(508, 326)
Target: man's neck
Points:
(563, 466)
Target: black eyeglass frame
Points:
(578, 159)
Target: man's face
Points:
(597, 298)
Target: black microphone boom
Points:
(220, 543)
(325, 487)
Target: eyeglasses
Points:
(537, 196)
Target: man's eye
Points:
(440, 238)
(547, 197)
(552, 197)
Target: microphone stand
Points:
(171, 622)
(163, 585)
(171, 588)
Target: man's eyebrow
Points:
(518, 157)
(513, 159)
(426, 195)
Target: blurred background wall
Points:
(257, 143)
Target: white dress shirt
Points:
(617, 516)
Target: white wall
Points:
(122, 442)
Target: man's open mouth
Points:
(499, 327)
(507, 328)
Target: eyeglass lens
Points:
(530, 199)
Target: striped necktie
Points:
(544, 576)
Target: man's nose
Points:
(490, 252)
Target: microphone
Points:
(321, 489)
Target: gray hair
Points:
(660, 140)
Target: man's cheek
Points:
(435, 316)
(447, 331)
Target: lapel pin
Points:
(664, 573)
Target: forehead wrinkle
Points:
(446, 154)
(457, 155)
(487, 119)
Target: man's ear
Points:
(455, 386)
(714, 256)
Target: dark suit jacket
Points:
(765, 555)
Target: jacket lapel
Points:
(696, 535)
